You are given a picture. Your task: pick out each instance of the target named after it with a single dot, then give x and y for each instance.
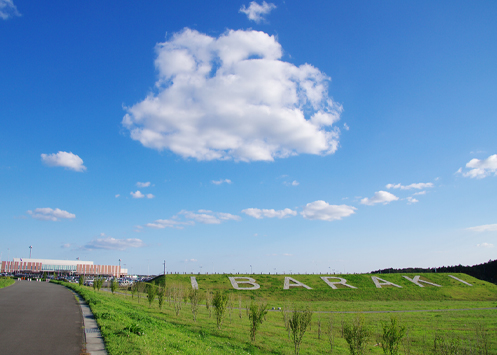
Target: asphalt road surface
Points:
(39, 318)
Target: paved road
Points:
(39, 318)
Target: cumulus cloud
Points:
(411, 200)
(261, 213)
(8, 9)
(419, 186)
(379, 197)
(143, 184)
(232, 97)
(484, 228)
(138, 194)
(188, 218)
(109, 243)
(485, 245)
(64, 159)
(419, 193)
(256, 12)
(293, 183)
(48, 214)
(221, 181)
(321, 210)
(480, 168)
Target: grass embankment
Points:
(121, 317)
(6, 281)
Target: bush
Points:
(392, 336)
(256, 316)
(298, 323)
(114, 285)
(356, 335)
(194, 297)
(220, 303)
(151, 291)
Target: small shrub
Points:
(194, 297)
(330, 335)
(298, 322)
(208, 302)
(356, 335)
(256, 316)
(81, 281)
(177, 298)
(161, 293)
(114, 285)
(392, 336)
(220, 302)
(151, 291)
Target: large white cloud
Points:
(481, 168)
(8, 9)
(269, 213)
(109, 243)
(380, 197)
(255, 12)
(232, 97)
(484, 228)
(64, 159)
(49, 214)
(321, 210)
(419, 186)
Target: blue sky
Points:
(294, 136)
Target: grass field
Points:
(6, 281)
(122, 318)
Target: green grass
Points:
(121, 317)
(6, 281)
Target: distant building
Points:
(71, 267)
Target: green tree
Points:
(298, 323)
(220, 303)
(114, 285)
(194, 297)
(81, 280)
(256, 317)
(134, 289)
(392, 336)
(161, 293)
(151, 291)
(356, 335)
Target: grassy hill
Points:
(271, 287)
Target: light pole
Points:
(30, 247)
(119, 267)
(250, 269)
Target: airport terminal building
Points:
(71, 267)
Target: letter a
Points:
(287, 284)
(332, 284)
(417, 281)
(193, 279)
(377, 280)
(244, 280)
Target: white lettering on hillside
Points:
(377, 280)
(417, 281)
(244, 280)
(464, 282)
(193, 279)
(332, 284)
(287, 284)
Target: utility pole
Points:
(119, 267)
(30, 247)
(165, 276)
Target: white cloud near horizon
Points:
(143, 184)
(419, 186)
(8, 9)
(64, 159)
(221, 181)
(484, 228)
(109, 243)
(233, 98)
(480, 169)
(256, 12)
(321, 210)
(269, 213)
(49, 214)
(485, 245)
(379, 197)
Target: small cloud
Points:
(255, 234)
(109, 243)
(484, 228)
(8, 9)
(346, 127)
(419, 193)
(293, 183)
(48, 214)
(485, 245)
(419, 186)
(118, 195)
(150, 196)
(411, 200)
(67, 160)
(256, 12)
(137, 194)
(66, 246)
(168, 223)
(222, 181)
(379, 197)
(481, 168)
(261, 213)
(321, 210)
(286, 254)
(143, 184)
(191, 260)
